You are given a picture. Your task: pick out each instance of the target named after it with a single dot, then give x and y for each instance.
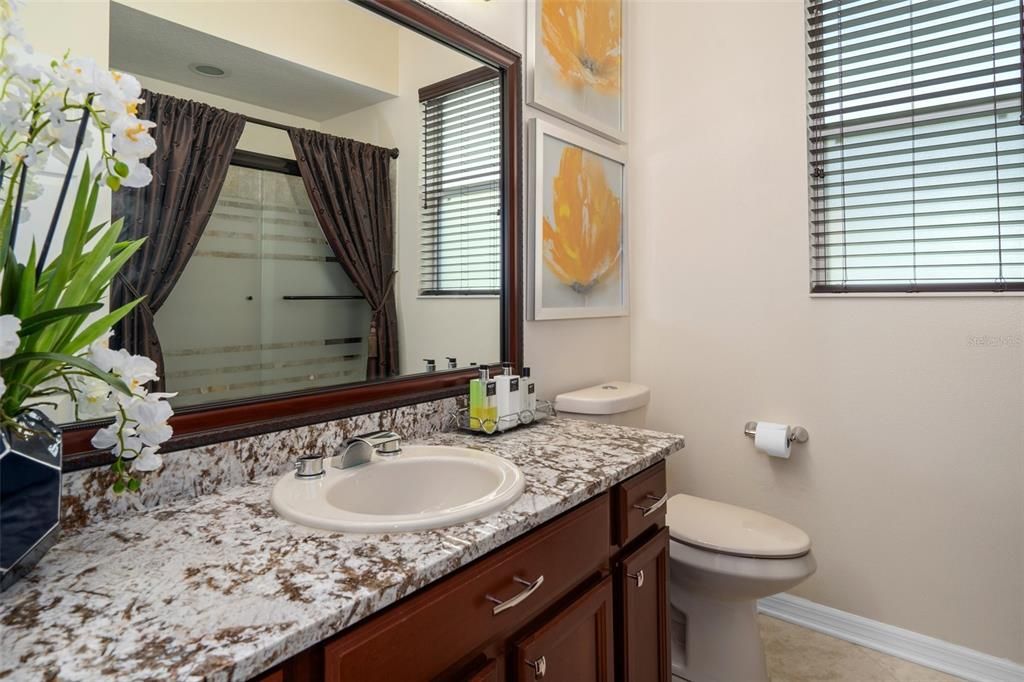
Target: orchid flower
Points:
(51, 110)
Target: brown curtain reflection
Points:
(349, 185)
(194, 146)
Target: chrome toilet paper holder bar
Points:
(797, 434)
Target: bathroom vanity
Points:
(220, 587)
(583, 597)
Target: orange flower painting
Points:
(584, 38)
(583, 237)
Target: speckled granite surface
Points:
(187, 474)
(220, 588)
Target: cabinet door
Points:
(575, 645)
(643, 621)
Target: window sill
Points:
(920, 294)
(429, 297)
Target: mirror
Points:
(327, 204)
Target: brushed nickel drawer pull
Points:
(654, 507)
(638, 577)
(530, 588)
(540, 667)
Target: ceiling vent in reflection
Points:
(208, 70)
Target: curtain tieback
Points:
(375, 313)
(134, 293)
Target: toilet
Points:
(722, 559)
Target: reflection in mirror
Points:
(317, 218)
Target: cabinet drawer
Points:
(433, 630)
(573, 646)
(640, 504)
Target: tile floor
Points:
(796, 654)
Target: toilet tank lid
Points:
(611, 397)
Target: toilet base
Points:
(714, 640)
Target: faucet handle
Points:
(392, 446)
(309, 467)
(385, 442)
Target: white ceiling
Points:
(146, 45)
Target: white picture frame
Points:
(546, 301)
(545, 93)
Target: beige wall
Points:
(302, 31)
(912, 484)
(564, 354)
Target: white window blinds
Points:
(916, 145)
(461, 186)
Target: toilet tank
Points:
(613, 402)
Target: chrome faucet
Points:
(359, 449)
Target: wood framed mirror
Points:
(210, 417)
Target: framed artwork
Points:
(578, 241)
(574, 66)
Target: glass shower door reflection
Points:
(263, 307)
(314, 321)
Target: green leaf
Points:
(73, 240)
(32, 324)
(101, 281)
(99, 327)
(6, 217)
(27, 290)
(74, 361)
(10, 284)
(77, 285)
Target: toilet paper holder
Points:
(797, 434)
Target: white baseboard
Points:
(917, 648)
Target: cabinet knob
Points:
(540, 667)
(638, 577)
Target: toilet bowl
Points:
(722, 560)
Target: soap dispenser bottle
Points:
(528, 391)
(509, 402)
(483, 406)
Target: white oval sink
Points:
(426, 486)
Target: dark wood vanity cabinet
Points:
(583, 597)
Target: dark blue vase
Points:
(30, 487)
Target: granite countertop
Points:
(221, 588)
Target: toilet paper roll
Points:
(772, 439)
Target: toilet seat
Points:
(727, 529)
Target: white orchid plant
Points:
(53, 328)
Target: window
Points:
(916, 145)
(461, 186)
